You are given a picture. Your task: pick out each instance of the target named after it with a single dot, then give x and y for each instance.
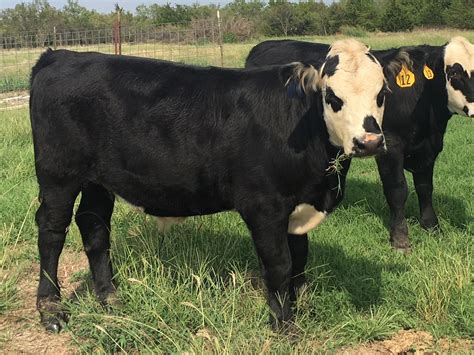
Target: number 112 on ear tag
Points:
(405, 78)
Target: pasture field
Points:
(15, 66)
(197, 289)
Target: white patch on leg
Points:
(165, 223)
(305, 218)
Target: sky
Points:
(109, 5)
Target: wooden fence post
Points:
(54, 38)
(118, 31)
(220, 37)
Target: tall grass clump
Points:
(443, 288)
(14, 83)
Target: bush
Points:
(460, 14)
(237, 28)
(397, 17)
(353, 31)
(230, 37)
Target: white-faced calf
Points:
(178, 140)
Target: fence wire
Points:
(197, 43)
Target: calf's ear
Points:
(303, 80)
(393, 62)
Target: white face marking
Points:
(459, 61)
(357, 82)
(304, 218)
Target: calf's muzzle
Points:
(370, 144)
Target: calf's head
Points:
(353, 87)
(459, 71)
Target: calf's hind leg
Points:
(53, 218)
(424, 189)
(93, 219)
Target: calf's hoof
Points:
(52, 325)
(430, 224)
(281, 326)
(296, 285)
(400, 244)
(110, 302)
(53, 318)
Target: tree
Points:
(37, 17)
(76, 17)
(396, 17)
(460, 14)
(361, 13)
(250, 10)
(335, 18)
(432, 12)
(310, 18)
(278, 18)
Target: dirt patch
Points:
(14, 99)
(21, 331)
(412, 342)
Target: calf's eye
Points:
(381, 96)
(331, 99)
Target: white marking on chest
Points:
(305, 218)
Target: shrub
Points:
(353, 31)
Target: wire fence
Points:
(199, 43)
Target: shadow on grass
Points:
(221, 250)
(357, 275)
(450, 208)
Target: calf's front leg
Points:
(298, 245)
(271, 244)
(396, 192)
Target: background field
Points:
(197, 289)
(15, 65)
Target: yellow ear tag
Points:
(428, 72)
(405, 78)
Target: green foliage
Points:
(275, 18)
(353, 31)
(460, 14)
(335, 17)
(432, 12)
(397, 17)
(361, 13)
(230, 37)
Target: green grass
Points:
(198, 289)
(15, 66)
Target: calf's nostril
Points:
(360, 145)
